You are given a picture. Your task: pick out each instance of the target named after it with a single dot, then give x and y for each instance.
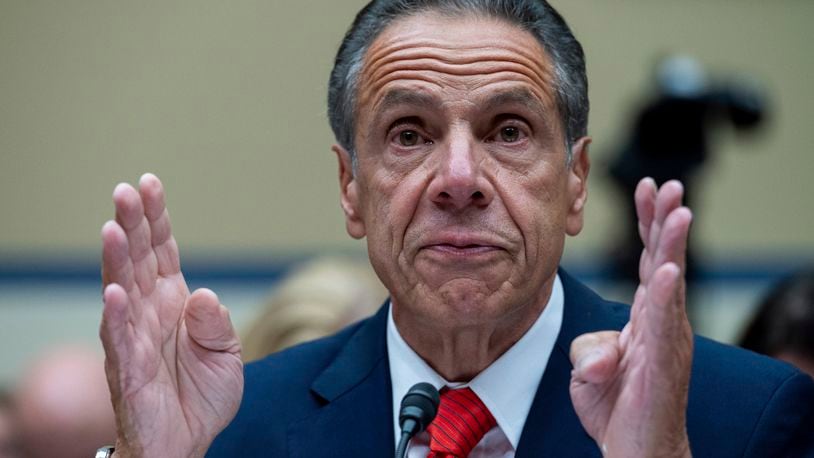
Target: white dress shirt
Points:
(507, 387)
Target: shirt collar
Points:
(523, 364)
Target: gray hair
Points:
(534, 16)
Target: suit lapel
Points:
(552, 427)
(357, 416)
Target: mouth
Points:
(461, 245)
(461, 250)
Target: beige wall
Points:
(225, 101)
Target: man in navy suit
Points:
(462, 144)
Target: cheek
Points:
(392, 201)
(535, 201)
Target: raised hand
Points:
(629, 389)
(172, 358)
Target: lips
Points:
(462, 250)
(461, 244)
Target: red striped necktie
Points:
(461, 422)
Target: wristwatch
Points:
(105, 452)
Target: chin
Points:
(466, 300)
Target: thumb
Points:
(595, 356)
(208, 322)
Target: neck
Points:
(460, 353)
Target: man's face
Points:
(462, 185)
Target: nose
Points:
(459, 182)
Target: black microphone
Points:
(418, 408)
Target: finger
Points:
(208, 322)
(113, 330)
(635, 314)
(595, 356)
(672, 244)
(645, 199)
(671, 250)
(166, 250)
(666, 334)
(665, 326)
(668, 198)
(130, 216)
(116, 265)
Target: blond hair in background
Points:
(317, 299)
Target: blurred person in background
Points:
(319, 298)
(783, 326)
(8, 445)
(62, 405)
(671, 138)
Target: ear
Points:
(578, 185)
(349, 194)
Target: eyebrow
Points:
(518, 96)
(405, 97)
(401, 97)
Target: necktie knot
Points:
(461, 423)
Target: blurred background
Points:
(225, 101)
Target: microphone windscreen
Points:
(420, 404)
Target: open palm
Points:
(172, 358)
(629, 389)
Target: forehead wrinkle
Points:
(425, 69)
(392, 57)
(399, 48)
(458, 59)
(373, 92)
(483, 67)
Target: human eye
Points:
(408, 133)
(408, 137)
(509, 132)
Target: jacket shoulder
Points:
(745, 404)
(277, 391)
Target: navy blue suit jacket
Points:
(332, 397)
